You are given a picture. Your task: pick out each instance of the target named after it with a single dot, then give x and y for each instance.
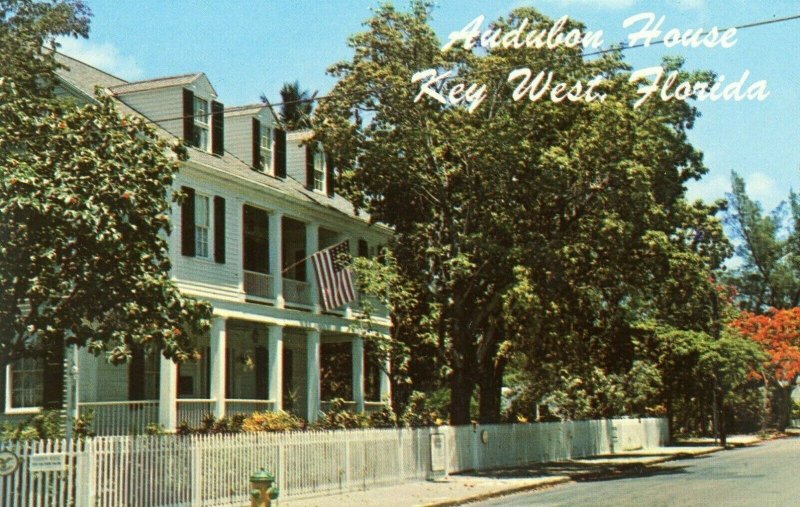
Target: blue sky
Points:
(251, 47)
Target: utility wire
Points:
(721, 30)
(599, 52)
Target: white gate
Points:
(41, 473)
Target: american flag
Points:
(334, 279)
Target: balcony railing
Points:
(193, 411)
(247, 407)
(258, 284)
(295, 291)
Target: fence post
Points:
(197, 472)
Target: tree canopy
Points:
(532, 226)
(84, 209)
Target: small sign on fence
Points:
(51, 462)
(8, 463)
(437, 457)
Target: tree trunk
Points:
(460, 397)
(781, 406)
(491, 385)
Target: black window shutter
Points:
(280, 153)
(187, 222)
(256, 144)
(217, 128)
(310, 166)
(3, 384)
(53, 392)
(188, 116)
(136, 374)
(330, 181)
(219, 229)
(363, 248)
(261, 367)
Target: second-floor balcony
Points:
(276, 267)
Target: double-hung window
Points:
(202, 221)
(319, 171)
(266, 148)
(201, 127)
(25, 384)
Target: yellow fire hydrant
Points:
(262, 492)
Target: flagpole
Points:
(287, 268)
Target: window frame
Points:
(202, 123)
(266, 151)
(9, 373)
(320, 171)
(201, 229)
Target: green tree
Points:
(84, 211)
(532, 226)
(296, 106)
(769, 275)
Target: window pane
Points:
(27, 390)
(200, 137)
(319, 171)
(200, 111)
(201, 221)
(201, 210)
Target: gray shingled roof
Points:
(153, 84)
(85, 78)
(244, 110)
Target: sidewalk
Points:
(456, 490)
(477, 486)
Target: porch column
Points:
(275, 358)
(385, 385)
(275, 256)
(168, 395)
(358, 373)
(312, 246)
(312, 374)
(217, 365)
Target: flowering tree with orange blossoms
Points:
(778, 334)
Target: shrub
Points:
(339, 418)
(385, 418)
(154, 429)
(272, 421)
(43, 426)
(419, 413)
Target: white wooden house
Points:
(261, 199)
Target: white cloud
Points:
(600, 4)
(685, 5)
(763, 188)
(105, 56)
(689, 5)
(760, 187)
(709, 189)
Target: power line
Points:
(722, 30)
(594, 53)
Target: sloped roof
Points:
(153, 84)
(85, 78)
(247, 110)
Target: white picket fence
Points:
(213, 470)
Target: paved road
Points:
(765, 475)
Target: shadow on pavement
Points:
(585, 472)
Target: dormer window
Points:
(266, 148)
(319, 171)
(201, 127)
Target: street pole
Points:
(72, 392)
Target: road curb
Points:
(544, 483)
